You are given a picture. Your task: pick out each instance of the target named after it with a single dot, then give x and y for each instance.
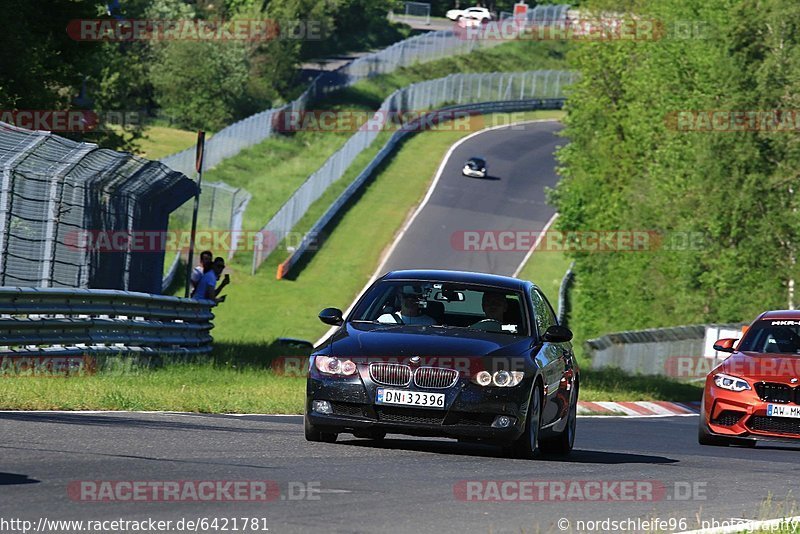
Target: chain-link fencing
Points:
(413, 12)
(453, 89)
(219, 217)
(73, 215)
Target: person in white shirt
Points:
(206, 259)
(410, 311)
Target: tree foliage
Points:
(192, 84)
(724, 202)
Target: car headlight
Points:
(501, 379)
(731, 383)
(331, 365)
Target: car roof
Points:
(463, 277)
(779, 314)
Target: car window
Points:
(544, 316)
(443, 304)
(776, 336)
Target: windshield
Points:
(776, 336)
(444, 304)
(476, 163)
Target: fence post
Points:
(563, 295)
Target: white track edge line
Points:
(535, 245)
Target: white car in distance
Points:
(481, 14)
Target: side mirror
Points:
(557, 334)
(725, 344)
(331, 316)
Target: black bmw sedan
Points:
(445, 353)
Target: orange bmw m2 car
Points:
(754, 394)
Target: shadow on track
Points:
(12, 479)
(136, 421)
(578, 456)
(488, 178)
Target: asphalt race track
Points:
(404, 485)
(521, 164)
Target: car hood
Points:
(402, 341)
(759, 366)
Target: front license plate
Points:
(778, 410)
(409, 398)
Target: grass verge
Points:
(204, 388)
(546, 269)
(161, 141)
(614, 385)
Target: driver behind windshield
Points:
(410, 310)
(494, 306)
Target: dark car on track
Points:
(445, 353)
(754, 394)
(475, 168)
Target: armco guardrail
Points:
(455, 88)
(657, 351)
(564, 304)
(386, 150)
(77, 322)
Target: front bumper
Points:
(744, 415)
(469, 410)
(466, 171)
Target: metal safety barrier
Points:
(563, 295)
(654, 351)
(77, 322)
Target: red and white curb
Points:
(638, 408)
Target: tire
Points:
(562, 443)
(314, 434)
(705, 437)
(527, 446)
